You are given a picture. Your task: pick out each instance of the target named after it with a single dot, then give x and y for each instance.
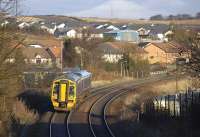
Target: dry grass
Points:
(45, 40)
(24, 114)
(169, 86)
(28, 19)
(124, 109)
(134, 21)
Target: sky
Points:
(110, 8)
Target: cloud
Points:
(114, 9)
(111, 8)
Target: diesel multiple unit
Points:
(68, 87)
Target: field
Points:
(133, 21)
(45, 40)
(85, 20)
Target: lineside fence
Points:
(139, 74)
(182, 106)
(6, 105)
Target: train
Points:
(67, 88)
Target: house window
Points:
(38, 61)
(151, 57)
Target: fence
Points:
(38, 79)
(137, 74)
(6, 106)
(182, 106)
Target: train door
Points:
(62, 97)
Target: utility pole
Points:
(121, 69)
(61, 58)
(16, 8)
(176, 76)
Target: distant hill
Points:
(142, 21)
(49, 19)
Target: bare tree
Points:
(191, 40)
(10, 6)
(11, 65)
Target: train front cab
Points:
(63, 95)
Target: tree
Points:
(69, 53)
(11, 66)
(10, 7)
(192, 41)
(157, 17)
(198, 15)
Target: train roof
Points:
(75, 75)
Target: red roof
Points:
(56, 51)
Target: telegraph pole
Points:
(61, 58)
(16, 8)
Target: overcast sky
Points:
(110, 8)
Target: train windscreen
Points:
(71, 91)
(56, 89)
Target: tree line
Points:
(175, 17)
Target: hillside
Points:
(132, 21)
(49, 19)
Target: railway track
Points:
(97, 115)
(57, 126)
(89, 119)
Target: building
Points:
(94, 33)
(160, 33)
(24, 25)
(55, 53)
(143, 34)
(37, 56)
(165, 53)
(112, 52)
(112, 27)
(123, 35)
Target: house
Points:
(123, 35)
(71, 33)
(68, 32)
(93, 32)
(112, 27)
(24, 25)
(109, 52)
(143, 31)
(55, 53)
(160, 33)
(143, 34)
(165, 53)
(61, 26)
(112, 52)
(5, 23)
(37, 56)
(123, 27)
(102, 26)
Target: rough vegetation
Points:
(124, 111)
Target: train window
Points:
(71, 91)
(56, 89)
